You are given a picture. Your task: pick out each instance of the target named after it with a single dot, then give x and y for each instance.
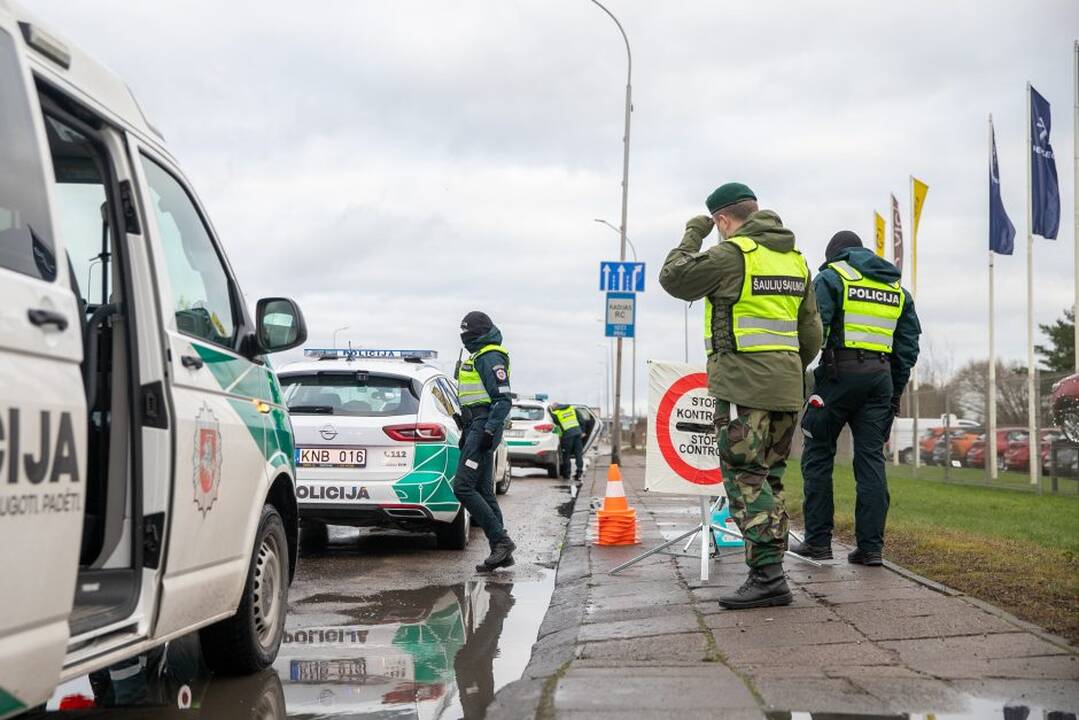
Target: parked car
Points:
(962, 440)
(1017, 456)
(976, 454)
(531, 437)
(376, 443)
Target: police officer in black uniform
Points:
(483, 388)
(870, 346)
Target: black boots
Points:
(865, 557)
(813, 552)
(501, 555)
(765, 587)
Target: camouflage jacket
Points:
(763, 380)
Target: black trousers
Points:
(572, 445)
(861, 398)
(474, 482)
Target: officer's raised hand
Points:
(701, 225)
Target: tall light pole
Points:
(633, 355)
(616, 437)
(343, 327)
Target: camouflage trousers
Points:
(753, 448)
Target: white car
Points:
(531, 436)
(376, 443)
(148, 484)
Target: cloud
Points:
(394, 165)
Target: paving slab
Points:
(652, 642)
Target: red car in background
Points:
(1017, 456)
(977, 452)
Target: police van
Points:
(146, 462)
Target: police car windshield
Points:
(526, 412)
(350, 393)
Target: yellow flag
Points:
(918, 190)
(878, 221)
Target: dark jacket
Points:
(494, 370)
(761, 380)
(829, 291)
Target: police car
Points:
(146, 454)
(531, 436)
(376, 443)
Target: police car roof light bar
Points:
(369, 354)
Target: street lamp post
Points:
(633, 356)
(616, 437)
(343, 327)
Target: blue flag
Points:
(1001, 230)
(1044, 191)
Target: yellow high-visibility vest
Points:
(871, 309)
(567, 418)
(470, 389)
(765, 316)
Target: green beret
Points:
(728, 194)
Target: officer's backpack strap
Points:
(846, 270)
(746, 245)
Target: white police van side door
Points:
(42, 402)
(221, 428)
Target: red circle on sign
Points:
(663, 432)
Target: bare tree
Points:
(971, 390)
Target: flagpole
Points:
(1075, 166)
(991, 450)
(1032, 438)
(914, 296)
(897, 262)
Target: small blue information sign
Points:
(621, 314)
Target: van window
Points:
(26, 240)
(201, 298)
(352, 393)
(80, 199)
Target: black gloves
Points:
(895, 405)
(487, 441)
(459, 421)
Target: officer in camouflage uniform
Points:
(762, 330)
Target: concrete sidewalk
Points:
(652, 642)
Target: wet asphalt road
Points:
(381, 624)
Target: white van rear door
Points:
(42, 402)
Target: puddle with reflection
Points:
(977, 709)
(434, 652)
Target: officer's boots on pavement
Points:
(813, 552)
(501, 555)
(859, 556)
(765, 587)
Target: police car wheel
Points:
(248, 641)
(503, 486)
(552, 471)
(314, 535)
(453, 535)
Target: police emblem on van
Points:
(207, 459)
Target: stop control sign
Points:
(682, 454)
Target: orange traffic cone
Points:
(616, 521)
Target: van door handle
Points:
(42, 317)
(191, 362)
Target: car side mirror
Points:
(279, 325)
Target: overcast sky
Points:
(393, 165)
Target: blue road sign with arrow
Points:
(621, 276)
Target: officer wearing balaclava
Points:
(483, 388)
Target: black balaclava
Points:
(841, 241)
(474, 326)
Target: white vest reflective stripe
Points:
(870, 309)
